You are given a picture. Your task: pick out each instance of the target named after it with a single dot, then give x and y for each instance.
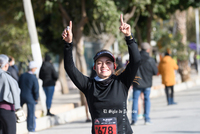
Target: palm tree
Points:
(184, 69)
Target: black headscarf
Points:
(47, 58)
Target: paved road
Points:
(183, 118)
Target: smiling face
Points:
(104, 67)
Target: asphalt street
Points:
(183, 118)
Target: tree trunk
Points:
(78, 40)
(139, 38)
(81, 65)
(62, 76)
(184, 69)
(149, 26)
(80, 61)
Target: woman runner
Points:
(106, 93)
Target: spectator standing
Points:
(49, 76)
(13, 69)
(166, 68)
(9, 98)
(144, 75)
(28, 84)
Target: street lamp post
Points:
(197, 38)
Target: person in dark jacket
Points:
(106, 93)
(13, 69)
(28, 84)
(144, 75)
(49, 76)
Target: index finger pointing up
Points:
(121, 18)
(70, 24)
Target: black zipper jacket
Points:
(106, 98)
(48, 74)
(146, 71)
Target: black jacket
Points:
(13, 72)
(106, 99)
(145, 72)
(48, 74)
(28, 84)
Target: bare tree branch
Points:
(138, 35)
(95, 27)
(136, 20)
(128, 16)
(83, 9)
(63, 12)
(64, 22)
(82, 22)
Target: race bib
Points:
(105, 125)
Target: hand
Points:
(125, 28)
(67, 33)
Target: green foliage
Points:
(102, 17)
(11, 12)
(15, 42)
(105, 13)
(158, 8)
(161, 9)
(14, 39)
(171, 43)
(183, 5)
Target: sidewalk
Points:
(67, 107)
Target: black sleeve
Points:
(154, 67)
(13, 73)
(35, 88)
(40, 73)
(75, 75)
(128, 75)
(54, 73)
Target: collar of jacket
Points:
(104, 83)
(144, 56)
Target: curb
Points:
(47, 121)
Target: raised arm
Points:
(75, 75)
(128, 75)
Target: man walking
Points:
(28, 84)
(143, 83)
